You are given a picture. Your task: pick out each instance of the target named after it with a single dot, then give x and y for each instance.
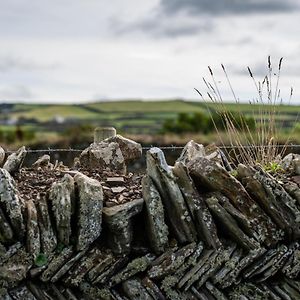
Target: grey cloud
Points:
(159, 25)
(221, 7)
(9, 63)
(16, 92)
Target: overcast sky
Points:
(88, 50)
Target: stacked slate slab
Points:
(200, 231)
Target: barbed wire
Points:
(146, 148)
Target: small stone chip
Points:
(113, 181)
(118, 189)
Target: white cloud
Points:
(72, 51)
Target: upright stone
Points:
(154, 216)
(102, 133)
(10, 201)
(32, 230)
(90, 205)
(201, 216)
(272, 197)
(119, 221)
(190, 151)
(215, 178)
(176, 210)
(2, 156)
(48, 237)
(61, 195)
(15, 160)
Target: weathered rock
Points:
(292, 267)
(6, 232)
(229, 225)
(104, 156)
(272, 197)
(32, 230)
(43, 162)
(209, 269)
(2, 156)
(10, 201)
(112, 269)
(152, 289)
(15, 269)
(61, 196)
(172, 262)
(190, 151)
(212, 176)
(105, 261)
(134, 289)
(57, 263)
(68, 265)
(22, 293)
(268, 265)
(15, 160)
(293, 190)
(134, 267)
(201, 216)
(291, 163)
(157, 230)
(89, 210)
(176, 210)
(92, 292)
(102, 133)
(77, 273)
(233, 276)
(130, 149)
(48, 237)
(118, 219)
(221, 276)
(215, 291)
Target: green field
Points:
(132, 117)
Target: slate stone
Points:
(272, 197)
(15, 161)
(90, 204)
(2, 156)
(32, 230)
(202, 218)
(177, 212)
(48, 237)
(11, 203)
(157, 230)
(215, 178)
(119, 221)
(61, 195)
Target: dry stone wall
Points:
(188, 231)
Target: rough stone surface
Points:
(11, 203)
(90, 206)
(61, 196)
(15, 160)
(33, 233)
(130, 149)
(190, 151)
(111, 154)
(43, 162)
(201, 216)
(119, 221)
(229, 262)
(104, 156)
(215, 178)
(2, 156)
(155, 217)
(272, 197)
(48, 237)
(176, 210)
